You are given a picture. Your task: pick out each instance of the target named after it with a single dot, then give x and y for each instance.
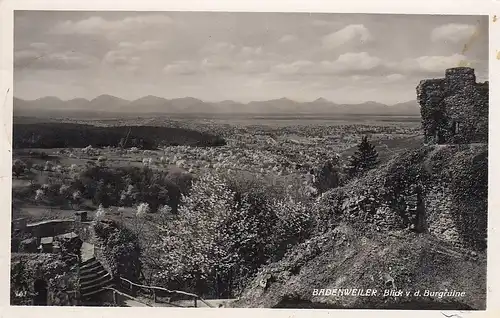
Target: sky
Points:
(215, 56)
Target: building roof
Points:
(47, 240)
(28, 240)
(70, 235)
(49, 221)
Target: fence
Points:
(134, 287)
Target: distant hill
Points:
(189, 105)
(66, 135)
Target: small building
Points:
(28, 245)
(67, 236)
(46, 244)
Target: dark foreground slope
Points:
(62, 135)
(369, 244)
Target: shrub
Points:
(121, 249)
(18, 167)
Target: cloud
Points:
(97, 25)
(351, 34)
(360, 64)
(395, 77)
(296, 67)
(142, 46)
(254, 66)
(220, 48)
(429, 64)
(68, 60)
(150, 45)
(225, 55)
(288, 38)
(352, 62)
(453, 32)
(26, 56)
(182, 68)
(347, 63)
(129, 53)
(217, 64)
(250, 51)
(40, 46)
(120, 58)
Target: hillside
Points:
(62, 135)
(370, 239)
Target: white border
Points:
(461, 7)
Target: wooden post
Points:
(195, 303)
(115, 297)
(154, 296)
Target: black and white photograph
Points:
(201, 159)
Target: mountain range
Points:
(190, 105)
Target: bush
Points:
(121, 249)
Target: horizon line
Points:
(220, 101)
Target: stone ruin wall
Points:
(454, 109)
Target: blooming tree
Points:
(100, 213)
(39, 195)
(142, 209)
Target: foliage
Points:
(19, 284)
(126, 186)
(100, 213)
(469, 188)
(142, 209)
(328, 177)
(18, 167)
(224, 232)
(122, 249)
(64, 135)
(364, 159)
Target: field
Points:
(273, 147)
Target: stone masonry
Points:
(454, 109)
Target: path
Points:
(87, 251)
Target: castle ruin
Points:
(454, 109)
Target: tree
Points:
(48, 166)
(327, 178)
(142, 209)
(65, 192)
(364, 159)
(39, 195)
(18, 167)
(100, 213)
(38, 167)
(76, 198)
(101, 195)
